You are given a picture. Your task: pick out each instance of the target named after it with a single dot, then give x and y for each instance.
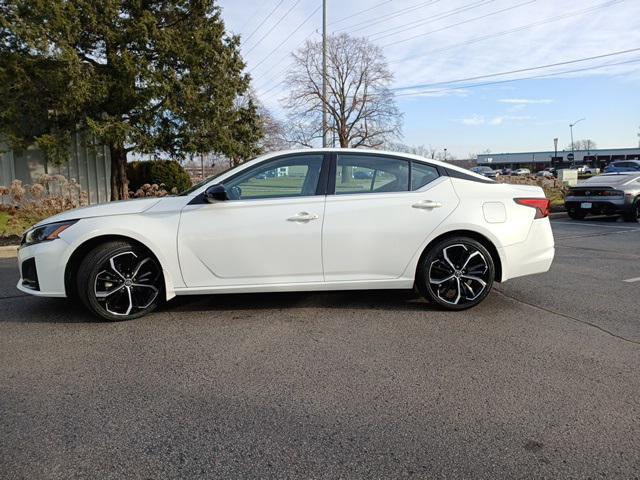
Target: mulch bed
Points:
(9, 240)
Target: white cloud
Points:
(526, 101)
(475, 120)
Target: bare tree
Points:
(422, 150)
(584, 144)
(362, 109)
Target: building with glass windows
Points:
(563, 159)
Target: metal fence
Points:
(89, 164)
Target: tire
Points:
(455, 274)
(120, 281)
(577, 214)
(633, 215)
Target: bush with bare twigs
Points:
(50, 194)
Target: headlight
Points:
(45, 233)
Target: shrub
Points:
(165, 173)
(28, 204)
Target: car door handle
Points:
(427, 204)
(303, 217)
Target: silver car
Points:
(608, 194)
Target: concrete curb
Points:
(10, 251)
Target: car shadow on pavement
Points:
(397, 300)
(28, 309)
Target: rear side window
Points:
(422, 174)
(371, 174)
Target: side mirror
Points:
(216, 193)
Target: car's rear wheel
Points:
(120, 281)
(633, 215)
(457, 273)
(577, 214)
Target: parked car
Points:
(506, 171)
(522, 171)
(362, 175)
(587, 170)
(544, 173)
(608, 194)
(623, 166)
(448, 231)
(486, 171)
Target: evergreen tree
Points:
(159, 77)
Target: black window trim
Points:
(331, 187)
(321, 189)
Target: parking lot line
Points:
(581, 224)
(631, 280)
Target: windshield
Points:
(203, 182)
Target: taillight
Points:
(542, 205)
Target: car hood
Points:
(122, 207)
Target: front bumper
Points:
(48, 259)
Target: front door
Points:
(269, 232)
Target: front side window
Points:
(295, 176)
(371, 174)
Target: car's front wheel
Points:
(120, 281)
(457, 273)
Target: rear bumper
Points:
(597, 206)
(534, 255)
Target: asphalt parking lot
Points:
(542, 380)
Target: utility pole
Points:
(325, 140)
(573, 153)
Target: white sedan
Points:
(327, 219)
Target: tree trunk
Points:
(119, 182)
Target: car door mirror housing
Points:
(216, 193)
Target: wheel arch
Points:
(73, 263)
(479, 237)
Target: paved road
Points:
(540, 381)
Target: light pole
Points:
(571, 125)
(325, 140)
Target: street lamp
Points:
(445, 154)
(571, 125)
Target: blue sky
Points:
(442, 40)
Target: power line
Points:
(507, 32)
(273, 76)
(263, 21)
(286, 39)
(360, 12)
(440, 16)
(497, 82)
(403, 11)
(460, 23)
(520, 70)
(273, 27)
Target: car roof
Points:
(618, 178)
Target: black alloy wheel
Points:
(120, 281)
(456, 274)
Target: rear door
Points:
(382, 211)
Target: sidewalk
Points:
(10, 251)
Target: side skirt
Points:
(400, 284)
